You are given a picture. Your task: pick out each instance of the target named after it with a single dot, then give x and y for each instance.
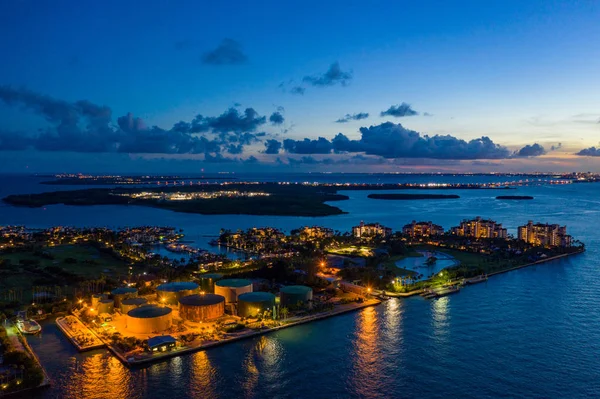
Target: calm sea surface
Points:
(532, 333)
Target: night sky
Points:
(176, 86)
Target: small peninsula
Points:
(514, 197)
(412, 196)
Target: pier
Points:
(80, 335)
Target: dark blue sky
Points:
(517, 72)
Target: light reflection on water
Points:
(202, 382)
(100, 376)
(366, 354)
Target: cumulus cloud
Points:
(235, 148)
(229, 121)
(389, 140)
(399, 111)
(128, 123)
(308, 146)
(229, 52)
(82, 126)
(272, 146)
(353, 117)
(333, 76)
(589, 152)
(533, 150)
(276, 118)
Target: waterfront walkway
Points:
(420, 291)
(151, 358)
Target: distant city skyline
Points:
(341, 86)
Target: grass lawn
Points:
(89, 264)
(352, 250)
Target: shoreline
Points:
(538, 262)
(189, 350)
(46, 382)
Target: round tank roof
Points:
(233, 282)
(256, 297)
(214, 276)
(147, 312)
(201, 300)
(134, 301)
(123, 290)
(106, 301)
(177, 286)
(296, 289)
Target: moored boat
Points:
(29, 326)
(476, 280)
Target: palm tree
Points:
(284, 312)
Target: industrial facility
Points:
(253, 303)
(149, 319)
(292, 295)
(105, 306)
(122, 293)
(207, 281)
(201, 307)
(231, 289)
(132, 303)
(170, 293)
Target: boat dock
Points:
(80, 335)
(438, 293)
(476, 280)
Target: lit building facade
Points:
(422, 229)
(479, 228)
(547, 235)
(371, 230)
(315, 233)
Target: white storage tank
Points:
(231, 288)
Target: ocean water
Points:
(531, 333)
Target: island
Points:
(514, 197)
(208, 199)
(110, 288)
(412, 196)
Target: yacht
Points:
(28, 326)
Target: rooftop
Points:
(160, 339)
(147, 312)
(233, 282)
(296, 289)
(201, 299)
(256, 297)
(177, 286)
